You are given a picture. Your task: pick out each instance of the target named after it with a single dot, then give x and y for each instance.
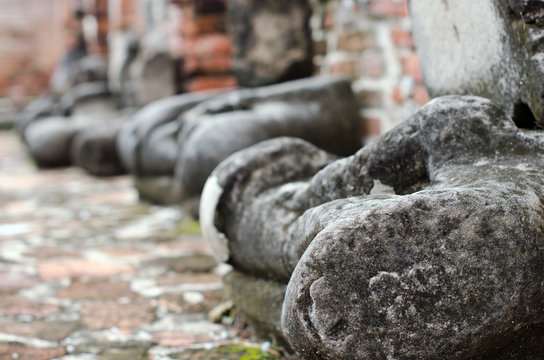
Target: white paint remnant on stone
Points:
(380, 188)
(210, 198)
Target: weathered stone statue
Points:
(183, 138)
(78, 124)
(485, 47)
(427, 244)
(148, 144)
(321, 110)
(48, 127)
(141, 69)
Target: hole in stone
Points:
(523, 117)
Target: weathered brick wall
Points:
(200, 39)
(31, 42)
(197, 32)
(367, 40)
(370, 42)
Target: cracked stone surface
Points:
(88, 272)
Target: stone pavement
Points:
(88, 272)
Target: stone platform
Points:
(88, 272)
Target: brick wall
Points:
(31, 42)
(367, 40)
(370, 42)
(200, 39)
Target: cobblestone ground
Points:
(88, 272)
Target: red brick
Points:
(28, 52)
(10, 351)
(388, 8)
(187, 23)
(215, 64)
(401, 37)
(349, 68)
(356, 41)
(397, 96)
(212, 82)
(101, 315)
(421, 95)
(410, 65)
(220, 63)
(188, 29)
(372, 126)
(329, 19)
(372, 64)
(209, 45)
(190, 64)
(176, 47)
(211, 23)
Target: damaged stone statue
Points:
(183, 138)
(447, 263)
(428, 243)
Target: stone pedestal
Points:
(259, 301)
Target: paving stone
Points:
(50, 330)
(78, 267)
(177, 339)
(10, 351)
(104, 315)
(123, 252)
(96, 341)
(11, 305)
(50, 252)
(177, 303)
(138, 353)
(97, 290)
(64, 276)
(12, 281)
(177, 278)
(16, 208)
(190, 243)
(197, 263)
